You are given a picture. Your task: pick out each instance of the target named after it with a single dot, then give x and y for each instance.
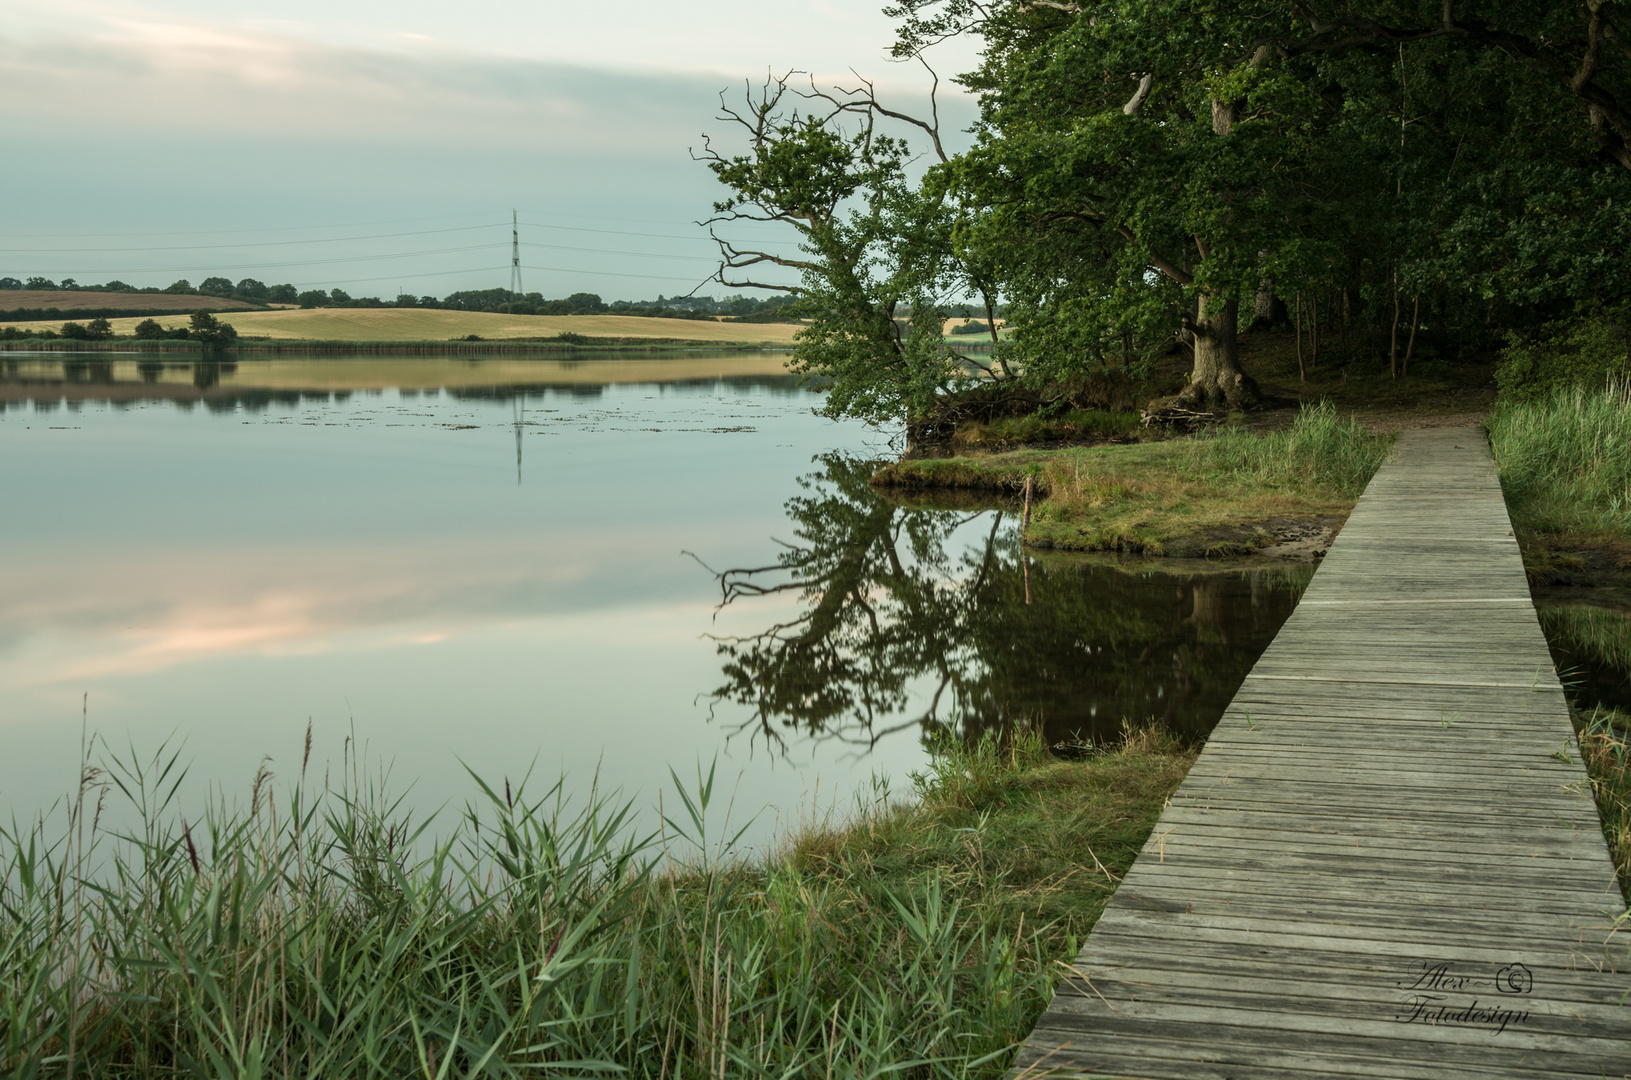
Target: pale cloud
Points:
(187, 117)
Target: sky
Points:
(381, 147)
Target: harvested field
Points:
(427, 324)
(85, 300)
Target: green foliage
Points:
(1587, 351)
(879, 259)
(99, 329)
(332, 934)
(1565, 459)
(149, 330)
(210, 331)
(313, 298)
(74, 331)
(1140, 167)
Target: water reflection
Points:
(886, 617)
(1591, 647)
(46, 380)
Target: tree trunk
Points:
(1216, 380)
(1302, 376)
(1268, 310)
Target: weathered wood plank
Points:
(1393, 789)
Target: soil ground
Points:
(1441, 389)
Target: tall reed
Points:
(1319, 451)
(1605, 746)
(329, 933)
(1565, 459)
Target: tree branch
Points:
(1181, 276)
(1136, 102)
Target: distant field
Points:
(81, 300)
(427, 324)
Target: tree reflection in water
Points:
(901, 624)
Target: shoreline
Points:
(405, 348)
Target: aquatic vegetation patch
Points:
(331, 934)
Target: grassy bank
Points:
(1564, 461)
(332, 936)
(1219, 493)
(1565, 465)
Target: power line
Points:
(252, 244)
(271, 229)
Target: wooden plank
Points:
(1394, 788)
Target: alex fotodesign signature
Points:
(1434, 994)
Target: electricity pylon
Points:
(515, 260)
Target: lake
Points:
(604, 567)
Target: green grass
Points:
(330, 934)
(1605, 747)
(1203, 495)
(1565, 461)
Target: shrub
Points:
(99, 329)
(1584, 352)
(973, 326)
(75, 331)
(149, 330)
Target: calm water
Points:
(1591, 648)
(604, 567)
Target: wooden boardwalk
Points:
(1386, 862)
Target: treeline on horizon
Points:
(251, 291)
